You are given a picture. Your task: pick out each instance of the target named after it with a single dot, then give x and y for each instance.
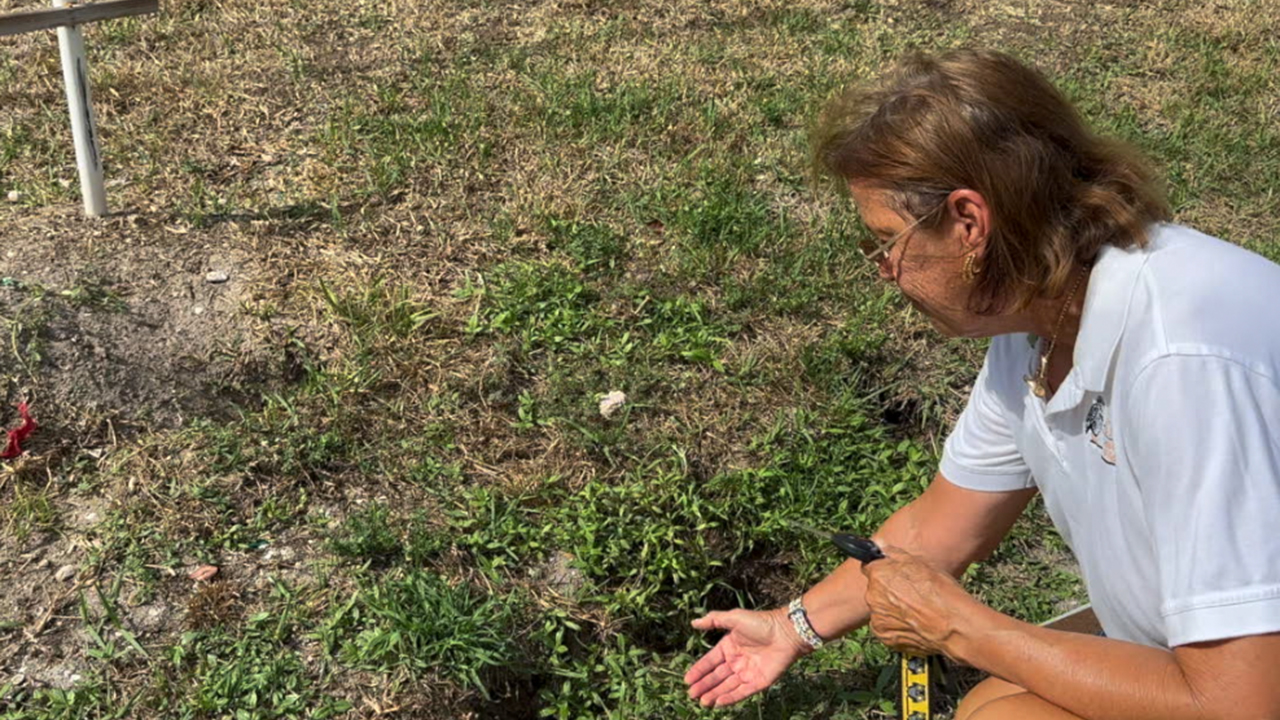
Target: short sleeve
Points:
(980, 453)
(1204, 445)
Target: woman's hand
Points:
(914, 606)
(758, 648)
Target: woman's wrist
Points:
(835, 605)
(798, 615)
(970, 631)
(790, 635)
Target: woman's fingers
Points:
(716, 621)
(712, 699)
(713, 658)
(738, 694)
(711, 681)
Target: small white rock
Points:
(149, 618)
(279, 554)
(559, 574)
(610, 403)
(216, 276)
(65, 573)
(197, 310)
(14, 196)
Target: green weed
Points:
(378, 314)
(723, 219)
(418, 623)
(388, 137)
(367, 535)
(843, 470)
(250, 672)
(29, 510)
(596, 249)
(545, 305)
(586, 105)
(92, 698)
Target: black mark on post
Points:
(83, 83)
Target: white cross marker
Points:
(67, 17)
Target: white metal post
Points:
(84, 128)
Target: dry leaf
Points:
(204, 572)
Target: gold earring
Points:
(971, 270)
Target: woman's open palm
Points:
(756, 650)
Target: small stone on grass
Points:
(610, 403)
(559, 575)
(149, 618)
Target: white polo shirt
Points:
(1159, 455)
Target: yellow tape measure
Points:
(915, 687)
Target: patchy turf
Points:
(449, 229)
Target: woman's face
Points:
(928, 265)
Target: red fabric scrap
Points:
(16, 437)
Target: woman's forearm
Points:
(1093, 677)
(836, 605)
(948, 526)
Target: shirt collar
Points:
(1106, 310)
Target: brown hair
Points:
(984, 121)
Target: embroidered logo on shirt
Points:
(1098, 424)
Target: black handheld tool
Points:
(858, 548)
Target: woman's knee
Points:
(983, 693)
(1019, 706)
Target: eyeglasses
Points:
(876, 251)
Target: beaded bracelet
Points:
(800, 619)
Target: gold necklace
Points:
(1039, 386)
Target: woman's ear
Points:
(971, 219)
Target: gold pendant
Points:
(1038, 386)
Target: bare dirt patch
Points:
(112, 328)
(37, 643)
(123, 320)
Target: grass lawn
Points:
(451, 228)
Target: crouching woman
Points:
(1132, 380)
